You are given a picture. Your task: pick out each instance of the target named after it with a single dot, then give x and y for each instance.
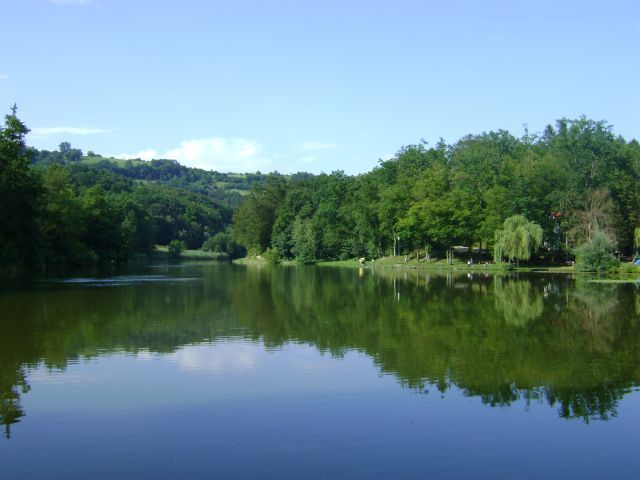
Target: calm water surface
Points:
(221, 371)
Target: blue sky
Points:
(315, 86)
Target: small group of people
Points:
(470, 263)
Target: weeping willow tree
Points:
(518, 239)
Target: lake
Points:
(211, 370)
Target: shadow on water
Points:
(542, 338)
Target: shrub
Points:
(271, 255)
(176, 247)
(628, 268)
(596, 255)
(223, 243)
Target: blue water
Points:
(239, 375)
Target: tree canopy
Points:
(58, 209)
(572, 179)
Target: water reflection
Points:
(519, 300)
(225, 358)
(572, 345)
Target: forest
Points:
(555, 194)
(570, 187)
(58, 210)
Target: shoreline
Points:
(397, 263)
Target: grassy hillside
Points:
(224, 188)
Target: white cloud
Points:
(218, 358)
(214, 153)
(307, 159)
(148, 154)
(50, 131)
(314, 146)
(4, 76)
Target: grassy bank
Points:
(263, 261)
(163, 252)
(626, 273)
(398, 262)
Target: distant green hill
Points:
(225, 188)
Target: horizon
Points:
(310, 88)
(536, 134)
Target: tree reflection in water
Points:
(544, 338)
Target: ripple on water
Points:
(124, 280)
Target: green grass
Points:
(163, 251)
(262, 261)
(118, 161)
(398, 262)
(442, 264)
(634, 280)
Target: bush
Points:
(628, 268)
(223, 243)
(596, 255)
(271, 255)
(176, 247)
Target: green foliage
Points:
(60, 211)
(574, 178)
(63, 222)
(254, 219)
(176, 247)
(596, 255)
(518, 239)
(627, 269)
(304, 242)
(61, 208)
(223, 243)
(271, 255)
(20, 193)
(224, 188)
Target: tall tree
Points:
(254, 219)
(20, 194)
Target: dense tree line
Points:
(62, 212)
(573, 180)
(576, 181)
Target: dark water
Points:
(220, 371)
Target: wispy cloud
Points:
(214, 153)
(51, 131)
(307, 159)
(315, 146)
(4, 76)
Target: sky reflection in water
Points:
(320, 373)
